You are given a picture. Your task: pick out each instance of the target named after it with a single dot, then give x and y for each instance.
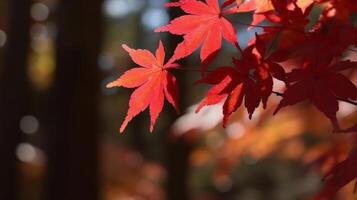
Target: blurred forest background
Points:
(59, 124)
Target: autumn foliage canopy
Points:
(309, 57)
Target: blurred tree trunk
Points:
(72, 137)
(178, 149)
(14, 94)
(138, 127)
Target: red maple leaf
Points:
(205, 24)
(235, 84)
(322, 85)
(317, 43)
(291, 22)
(262, 7)
(268, 67)
(153, 83)
(340, 175)
(289, 15)
(258, 6)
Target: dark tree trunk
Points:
(178, 149)
(72, 137)
(138, 127)
(14, 94)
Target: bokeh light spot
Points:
(3, 38)
(29, 124)
(25, 152)
(121, 8)
(40, 12)
(154, 17)
(106, 61)
(235, 130)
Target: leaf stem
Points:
(239, 49)
(272, 44)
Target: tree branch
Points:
(338, 98)
(274, 92)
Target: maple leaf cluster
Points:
(310, 59)
(315, 57)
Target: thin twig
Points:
(278, 93)
(354, 50)
(191, 69)
(338, 98)
(347, 101)
(274, 92)
(258, 26)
